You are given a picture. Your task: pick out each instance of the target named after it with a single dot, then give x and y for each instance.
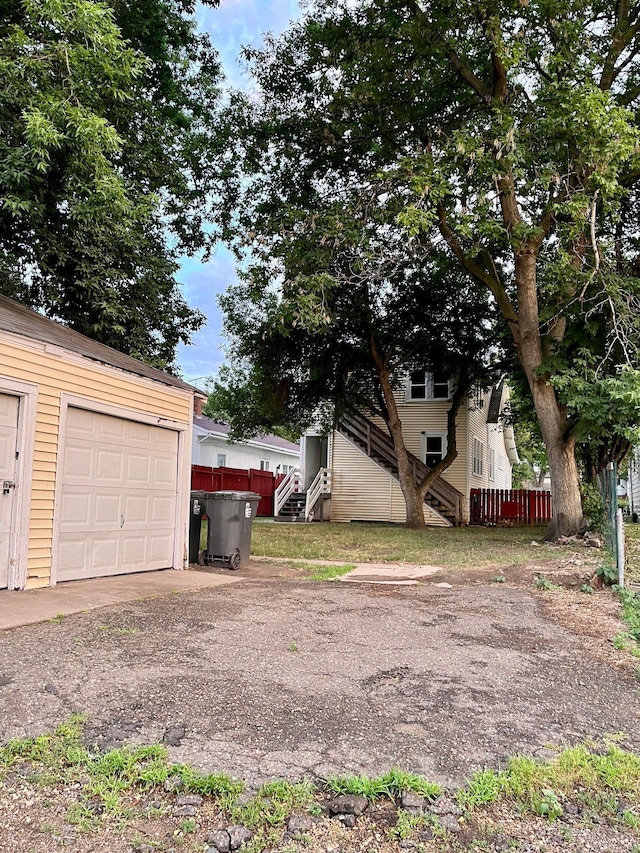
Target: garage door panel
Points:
(110, 466)
(117, 511)
(76, 510)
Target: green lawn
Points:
(453, 547)
(632, 536)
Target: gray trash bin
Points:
(197, 510)
(230, 517)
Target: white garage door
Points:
(117, 507)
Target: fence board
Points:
(510, 506)
(222, 479)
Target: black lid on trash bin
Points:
(232, 496)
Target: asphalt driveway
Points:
(285, 678)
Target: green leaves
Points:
(104, 124)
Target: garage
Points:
(95, 451)
(118, 495)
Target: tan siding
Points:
(55, 373)
(361, 490)
(430, 416)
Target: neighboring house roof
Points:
(222, 430)
(23, 321)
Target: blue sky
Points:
(233, 24)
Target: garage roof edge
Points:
(19, 320)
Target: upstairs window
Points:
(478, 457)
(427, 385)
(264, 464)
(221, 460)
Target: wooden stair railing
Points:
(378, 446)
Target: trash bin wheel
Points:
(234, 560)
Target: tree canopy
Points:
(504, 132)
(107, 119)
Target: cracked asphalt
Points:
(285, 679)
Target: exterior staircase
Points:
(290, 503)
(378, 446)
(293, 508)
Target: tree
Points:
(383, 311)
(104, 124)
(509, 128)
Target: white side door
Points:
(8, 447)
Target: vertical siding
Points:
(55, 373)
(362, 490)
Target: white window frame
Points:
(264, 465)
(220, 456)
(492, 465)
(478, 457)
(429, 385)
(425, 436)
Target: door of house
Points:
(8, 448)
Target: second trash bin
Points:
(230, 517)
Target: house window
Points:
(221, 460)
(478, 453)
(492, 464)
(264, 464)
(418, 385)
(500, 462)
(424, 385)
(440, 386)
(434, 448)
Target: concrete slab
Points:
(389, 573)
(27, 607)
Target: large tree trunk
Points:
(560, 445)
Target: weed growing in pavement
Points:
(484, 788)
(57, 619)
(498, 579)
(408, 823)
(391, 784)
(329, 573)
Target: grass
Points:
(452, 548)
(596, 780)
(112, 788)
(632, 536)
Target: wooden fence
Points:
(509, 506)
(263, 483)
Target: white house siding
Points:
(491, 437)
(633, 486)
(502, 468)
(205, 452)
(362, 490)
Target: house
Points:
(211, 447)
(95, 451)
(633, 483)
(359, 457)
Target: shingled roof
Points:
(23, 321)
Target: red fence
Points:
(236, 479)
(515, 506)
